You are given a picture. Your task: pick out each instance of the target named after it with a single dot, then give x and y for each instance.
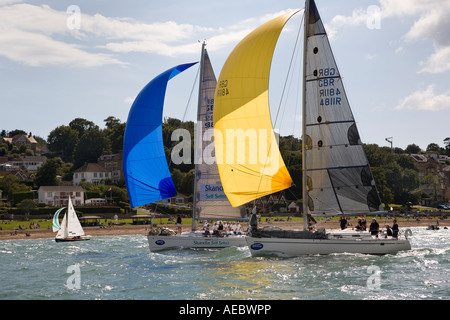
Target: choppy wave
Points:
(123, 268)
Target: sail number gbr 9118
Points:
(222, 89)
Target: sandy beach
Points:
(118, 230)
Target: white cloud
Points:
(438, 62)
(425, 100)
(38, 35)
(359, 17)
(35, 49)
(129, 100)
(28, 35)
(432, 24)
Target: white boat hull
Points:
(299, 247)
(71, 239)
(194, 240)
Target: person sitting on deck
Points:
(206, 228)
(388, 231)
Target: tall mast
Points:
(305, 178)
(198, 139)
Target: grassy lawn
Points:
(47, 223)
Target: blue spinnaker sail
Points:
(146, 172)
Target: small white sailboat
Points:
(337, 179)
(70, 228)
(147, 175)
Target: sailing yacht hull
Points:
(72, 239)
(299, 247)
(194, 240)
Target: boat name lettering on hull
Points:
(211, 243)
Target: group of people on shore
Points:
(374, 227)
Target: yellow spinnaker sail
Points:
(248, 157)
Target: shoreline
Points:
(122, 230)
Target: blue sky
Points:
(394, 56)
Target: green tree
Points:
(413, 149)
(82, 125)
(46, 174)
(447, 146)
(177, 178)
(11, 184)
(433, 147)
(63, 140)
(111, 122)
(187, 183)
(92, 144)
(16, 132)
(395, 175)
(385, 192)
(27, 205)
(115, 132)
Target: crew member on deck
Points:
(374, 227)
(253, 220)
(395, 229)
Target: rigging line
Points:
(289, 71)
(295, 196)
(297, 97)
(190, 96)
(188, 103)
(281, 99)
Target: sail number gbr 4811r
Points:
(222, 88)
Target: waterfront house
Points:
(57, 196)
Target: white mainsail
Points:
(338, 175)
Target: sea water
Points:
(123, 268)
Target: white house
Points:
(31, 163)
(91, 172)
(293, 208)
(58, 196)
